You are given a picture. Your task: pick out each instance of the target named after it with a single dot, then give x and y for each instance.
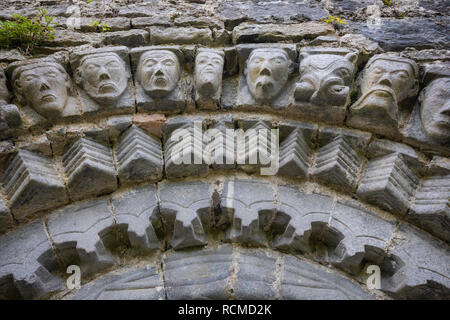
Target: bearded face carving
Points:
(386, 82)
(267, 72)
(4, 93)
(159, 72)
(208, 73)
(43, 86)
(325, 78)
(435, 109)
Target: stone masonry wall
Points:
(89, 128)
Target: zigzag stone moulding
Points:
(121, 152)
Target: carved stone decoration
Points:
(4, 93)
(43, 89)
(326, 79)
(208, 77)
(159, 72)
(266, 75)
(386, 83)
(104, 76)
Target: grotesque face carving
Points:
(43, 87)
(208, 73)
(4, 93)
(325, 78)
(435, 109)
(388, 81)
(103, 76)
(267, 72)
(159, 72)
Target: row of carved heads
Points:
(326, 79)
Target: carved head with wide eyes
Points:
(387, 81)
(208, 72)
(435, 109)
(158, 72)
(42, 85)
(325, 77)
(267, 72)
(4, 93)
(103, 75)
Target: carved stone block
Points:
(338, 164)
(136, 210)
(89, 169)
(387, 82)
(136, 284)
(243, 205)
(104, 78)
(26, 264)
(139, 156)
(198, 274)
(81, 233)
(31, 183)
(160, 82)
(185, 214)
(5, 218)
(326, 80)
(222, 145)
(208, 77)
(388, 182)
(43, 89)
(295, 155)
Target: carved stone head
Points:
(386, 82)
(158, 72)
(435, 109)
(267, 72)
(208, 72)
(43, 86)
(325, 77)
(4, 93)
(103, 75)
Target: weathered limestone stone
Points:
(185, 213)
(295, 155)
(5, 218)
(31, 183)
(160, 84)
(430, 209)
(160, 35)
(26, 262)
(136, 284)
(243, 204)
(89, 169)
(326, 79)
(183, 150)
(81, 233)
(208, 77)
(267, 75)
(338, 164)
(10, 121)
(136, 210)
(130, 38)
(300, 219)
(105, 77)
(301, 280)
(430, 121)
(386, 83)
(198, 274)
(245, 33)
(4, 92)
(221, 148)
(425, 266)
(389, 183)
(139, 156)
(43, 89)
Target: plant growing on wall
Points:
(26, 33)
